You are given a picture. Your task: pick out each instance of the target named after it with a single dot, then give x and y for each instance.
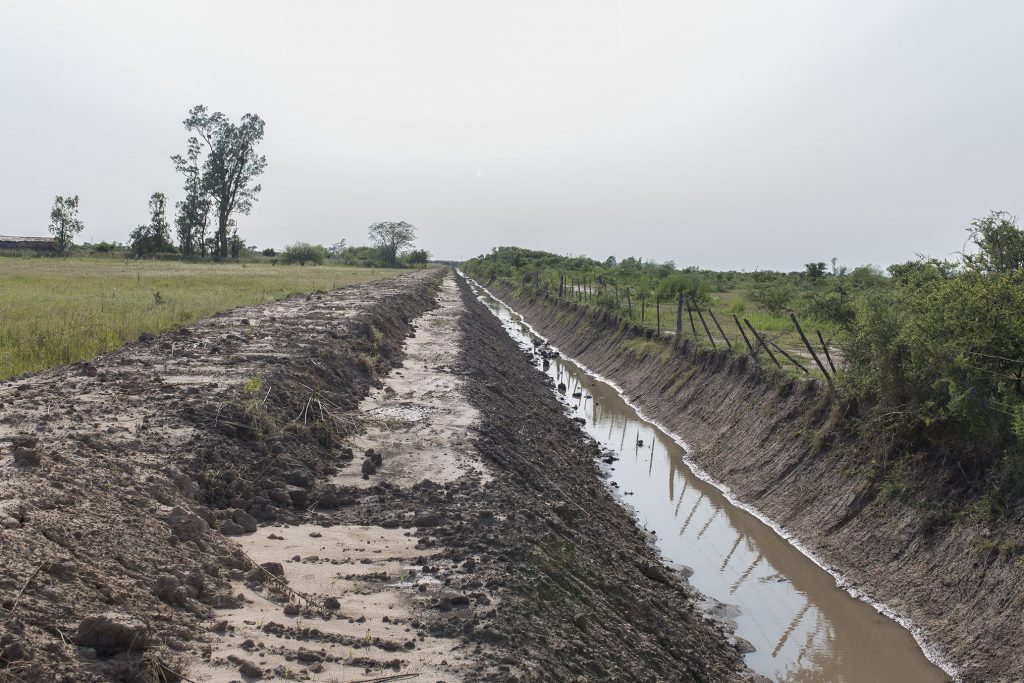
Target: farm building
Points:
(45, 244)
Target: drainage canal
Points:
(802, 626)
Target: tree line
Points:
(220, 169)
(932, 349)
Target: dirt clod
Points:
(112, 632)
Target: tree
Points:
(231, 166)
(337, 248)
(64, 221)
(155, 237)
(417, 257)
(193, 212)
(303, 253)
(390, 237)
(815, 270)
(1000, 244)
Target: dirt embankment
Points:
(780, 446)
(192, 504)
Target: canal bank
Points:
(801, 624)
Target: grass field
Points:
(55, 311)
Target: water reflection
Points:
(803, 627)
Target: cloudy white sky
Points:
(728, 134)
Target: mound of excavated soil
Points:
(286, 493)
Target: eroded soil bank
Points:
(207, 503)
(780, 449)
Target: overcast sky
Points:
(723, 133)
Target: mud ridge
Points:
(781, 449)
(124, 479)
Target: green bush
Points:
(303, 253)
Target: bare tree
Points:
(231, 166)
(64, 221)
(390, 237)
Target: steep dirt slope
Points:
(780, 448)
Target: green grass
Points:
(55, 311)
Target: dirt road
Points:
(286, 493)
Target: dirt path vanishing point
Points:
(207, 503)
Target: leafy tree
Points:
(1000, 244)
(774, 296)
(337, 248)
(417, 257)
(231, 166)
(235, 243)
(815, 270)
(269, 252)
(390, 237)
(154, 238)
(303, 253)
(693, 287)
(193, 213)
(64, 221)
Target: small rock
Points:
(244, 520)
(332, 603)
(113, 632)
(170, 590)
(185, 525)
(230, 528)
(250, 669)
(26, 457)
(369, 467)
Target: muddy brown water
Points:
(803, 626)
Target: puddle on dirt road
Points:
(804, 627)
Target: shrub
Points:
(303, 253)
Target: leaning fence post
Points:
(643, 308)
(657, 310)
(760, 340)
(629, 303)
(792, 360)
(679, 314)
(724, 335)
(689, 312)
(814, 355)
(702, 322)
(827, 354)
(745, 340)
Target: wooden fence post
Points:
(657, 311)
(679, 314)
(643, 308)
(792, 360)
(724, 335)
(814, 355)
(629, 302)
(760, 340)
(827, 354)
(745, 340)
(702, 322)
(561, 284)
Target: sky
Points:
(727, 134)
